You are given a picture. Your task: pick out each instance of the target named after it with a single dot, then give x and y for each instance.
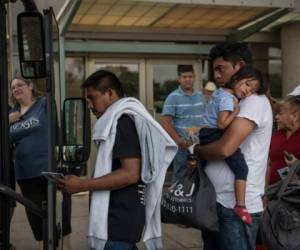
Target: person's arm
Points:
(127, 149)
(225, 117)
(234, 135)
(267, 179)
(289, 158)
(167, 123)
(128, 174)
(268, 173)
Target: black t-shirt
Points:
(126, 215)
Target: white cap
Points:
(296, 91)
(210, 86)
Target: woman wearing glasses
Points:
(29, 134)
(285, 141)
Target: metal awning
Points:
(164, 15)
(169, 20)
(200, 22)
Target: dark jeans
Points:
(119, 245)
(179, 164)
(236, 161)
(233, 233)
(35, 189)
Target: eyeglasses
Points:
(18, 86)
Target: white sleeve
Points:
(253, 108)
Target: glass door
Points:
(162, 80)
(129, 71)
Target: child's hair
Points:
(249, 72)
(183, 68)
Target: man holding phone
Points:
(122, 206)
(52, 176)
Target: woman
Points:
(286, 139)
(29, 133)
(284, 142)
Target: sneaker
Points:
(243, 213)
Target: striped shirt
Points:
(185, 109)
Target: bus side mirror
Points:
(76, 131)
(31, 44)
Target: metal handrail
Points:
(21, 199)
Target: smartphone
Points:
(52, 176)
(287, 155)
(283, 172)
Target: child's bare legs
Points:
(240, 207)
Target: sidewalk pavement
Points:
(174, 237)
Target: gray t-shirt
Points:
(30, 137)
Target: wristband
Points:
(191, 148)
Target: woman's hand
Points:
(14, 116)
(289, 158)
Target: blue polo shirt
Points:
(185, 109)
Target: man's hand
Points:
(191, 161)
(183, 144)
(167, 123)
(70, 184)
(14, 116)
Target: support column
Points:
(260, 55)
(290, 41)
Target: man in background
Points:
(208, 90)
(181, 115)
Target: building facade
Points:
(143, 41)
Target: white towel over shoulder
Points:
(157, 150)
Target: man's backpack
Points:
(280, 224)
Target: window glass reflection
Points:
(164, 82)
(128, 75)
(74, 73)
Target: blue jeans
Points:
(233, 233)
(179, 164)
(119, 245)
